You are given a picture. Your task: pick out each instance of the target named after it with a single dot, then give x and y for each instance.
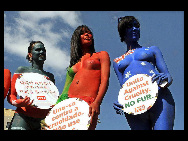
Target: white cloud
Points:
(40, 25)
(69, 17)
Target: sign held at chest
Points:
(38, 88)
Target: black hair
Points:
(124, 23)
(76, 50)
(32, 43)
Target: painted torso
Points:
(88, 74)
(138, 61)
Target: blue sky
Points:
(164, 29)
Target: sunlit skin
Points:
(38, 55)
(86, 41)
(91, 78)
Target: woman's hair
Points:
(124, 23)
(32, 43)
(76, 49)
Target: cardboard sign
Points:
(69, 114)
(39, 88)
(138, 94)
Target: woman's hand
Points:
(118, 107)
(161, 78)
(94, 110)
(43, 124)
(22, 102)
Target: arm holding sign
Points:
(163, 74)
(7, 80)
(12, 97)
(118, 107)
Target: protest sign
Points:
(138, 94)
(38, 88)
(69, 114)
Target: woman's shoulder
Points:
(49, 74)
(103, 52)
(119, 58)
(153, 47)
(72, 70)
(102, 55)
(22, 69)
(155, 50)
(7, 71)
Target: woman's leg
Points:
(93, 124)
(139, 122)
(18, 123)
(163, 111)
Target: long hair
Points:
(76, 50)
(123, 24)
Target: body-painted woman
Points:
(144, 60)
(7, 81)
(88, 73)
(28, 117)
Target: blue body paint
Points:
(145, 60)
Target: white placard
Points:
(38, 88)
(138, 94)
(69, 114)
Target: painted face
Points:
(132, 32)
(86, 38)
(38, 52)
